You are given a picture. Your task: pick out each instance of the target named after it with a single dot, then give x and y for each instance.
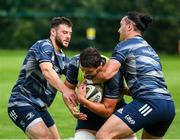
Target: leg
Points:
(38, 130)
(49, 122)
(54, 132)
(41, 131)
(146, 135)
(29, 120)
(114, 127)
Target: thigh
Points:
(24, 116)
(36, 124)
(43, 129)
(129, 119)
(38, 130)
(154, 116)
(54, 132)
(114, 127)
(163, 119)
(138, 114)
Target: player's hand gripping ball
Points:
(94, 93)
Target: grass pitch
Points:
(10, 64)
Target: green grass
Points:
(10, 64)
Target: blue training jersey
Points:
(111, 88)
(31, 87)
(143, 71)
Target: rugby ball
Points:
(94, 93)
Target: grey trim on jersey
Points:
(16, 103)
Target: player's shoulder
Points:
(44, 45)
(75, 60)
(75, 57)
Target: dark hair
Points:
(141, 20)
(90, 57)
(60, 20)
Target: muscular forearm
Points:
(98, 108)
(52, 77)
(107, 72)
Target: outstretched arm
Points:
(73, 109)
(52, 77)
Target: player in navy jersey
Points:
(152, 108)
(92, 115)
(39, 81)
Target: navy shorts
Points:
(94, 121)
(155, 115)
(27, 115)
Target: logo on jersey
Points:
(29, 116)
(13, 115)
(129, 119)
(145, 110)
(22, 123)
(120, 110)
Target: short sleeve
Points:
(43, 51)
(120, 52)
(72, 70)
(112, 87)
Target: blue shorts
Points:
(155, 115)
(94, 121)
(27, 115)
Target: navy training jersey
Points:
(31, 87)
(111, 88)
(143, 70)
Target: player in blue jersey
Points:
(39, 81)
(92, 115)
(152, 107)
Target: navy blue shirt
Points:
(111, 89)
(31, 87)
(143, 71)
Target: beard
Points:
(59, 43)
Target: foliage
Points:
(25, 21)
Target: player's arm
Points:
(108, 71)
(73, 109)
(52, 77)
(104, 109)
